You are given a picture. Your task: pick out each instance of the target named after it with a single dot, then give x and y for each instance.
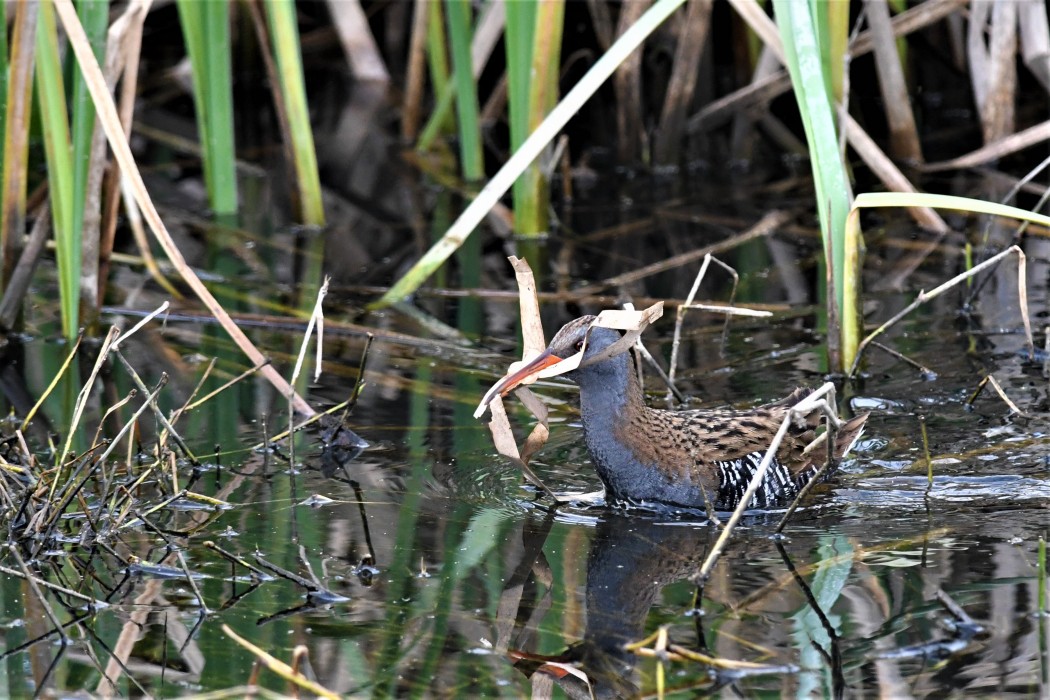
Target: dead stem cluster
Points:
(83, 524)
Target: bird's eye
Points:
(579, 345)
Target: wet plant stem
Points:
(926, 455)
(1044, 607)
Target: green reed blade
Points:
(58, 149)
(94, 16)
(205, 26)
(531, 217)
(222, 148)
(802, 48)
(521, 24)
(437, 62)
(1044, 609)
(284, 35)
(832, 28)
(459, 36)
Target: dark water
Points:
(428, 569)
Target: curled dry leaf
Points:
(631, 322)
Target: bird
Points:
(697, 459)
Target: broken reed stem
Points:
(32, 581)
(230, 556)
(88, 600)
(1002, 395)
(1044, 608)
(82, 397)
(989, 379)
(280, 668)
(51, 387)
(683, 308)
(359, 385)
(212, 394)
(296, 428)
(954, 608)
(192, 583)
(924, 296)
(738, 512)
(159, 414)
(923, 370)
(926, 455)
(809, 485)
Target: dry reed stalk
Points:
(993, 71)
(280, 668)
(15, 152)
(904, 137)
(18, 283)
(415, 74)
(362, 53)
(628, 84)
(888, 173)
(822, 399)
(125, 43)
(1035, 40)
(1000, 148)
(667, 146)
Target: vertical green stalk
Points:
(521, 24)
(849, 282)
(459, 34)
(533, 220)
(437, 62)
(533, 41)
(94, 16)
(284, 35)
(87, 176)
(206, 28)
(471, 158)
(1044, 609)
(55, 128)
(802, 48)
(832, 28)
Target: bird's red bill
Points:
(517, 377)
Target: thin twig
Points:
(923, 370)
(926, 455)
(924, 296)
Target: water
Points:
(425, 567)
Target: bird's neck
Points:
(610, 399)
(610, 395)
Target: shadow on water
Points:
(423, 567)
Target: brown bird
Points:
(647, 455)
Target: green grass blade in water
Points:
(205, 26)
(284, 35)
(459, 35)
(802, 52)
(51, 98)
